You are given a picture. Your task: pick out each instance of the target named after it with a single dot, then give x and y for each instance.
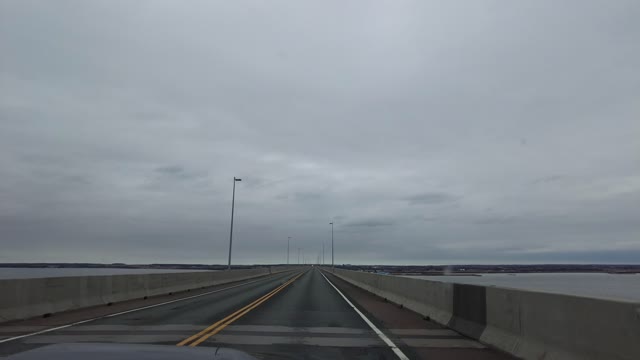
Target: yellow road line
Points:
(218, 326)
(226, 323)
(189, 339)
(232, 317)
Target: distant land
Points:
(391, 269)
(496, 269)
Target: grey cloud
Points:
(430, 198)
(548, 179)
(179, 172)
(117, 134)
(370, 223)
(308, 196)
(171, 169)
(77, 179)
(497, 220)
(302, 196)
(257, 182)
(281, 197)
(430, 219)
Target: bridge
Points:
(289, 313)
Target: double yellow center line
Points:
(218, 326)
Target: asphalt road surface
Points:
(293, 315)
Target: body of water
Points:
(28, 273)
(599, 285)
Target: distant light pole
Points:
(332, 263)
(298, 256)
(322, 252)
(233, 202)
(288, 242)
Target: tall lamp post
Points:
(233, 202)
(332, 263)
(288, 243)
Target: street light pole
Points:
(298, 256)
(288, 242)
(332, 263)
(233, 202)
(322, 252)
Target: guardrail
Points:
(527, 324)
(25, 298)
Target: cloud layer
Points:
(428, 132)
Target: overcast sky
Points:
(430, 132)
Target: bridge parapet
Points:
(527, 324)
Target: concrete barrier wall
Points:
(527, 324)
(24, 298)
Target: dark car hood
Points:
(102, 351)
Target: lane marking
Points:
(210, 327)
(328, 341)
(122, 312)
(258, 339)
(221, 324)
(238, 314)
(221, 327)
(298, 330)
(244, 312)
(375, 329)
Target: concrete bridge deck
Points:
(302, 314)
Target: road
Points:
(293, 315)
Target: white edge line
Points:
(375, 329)
(122, 312)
